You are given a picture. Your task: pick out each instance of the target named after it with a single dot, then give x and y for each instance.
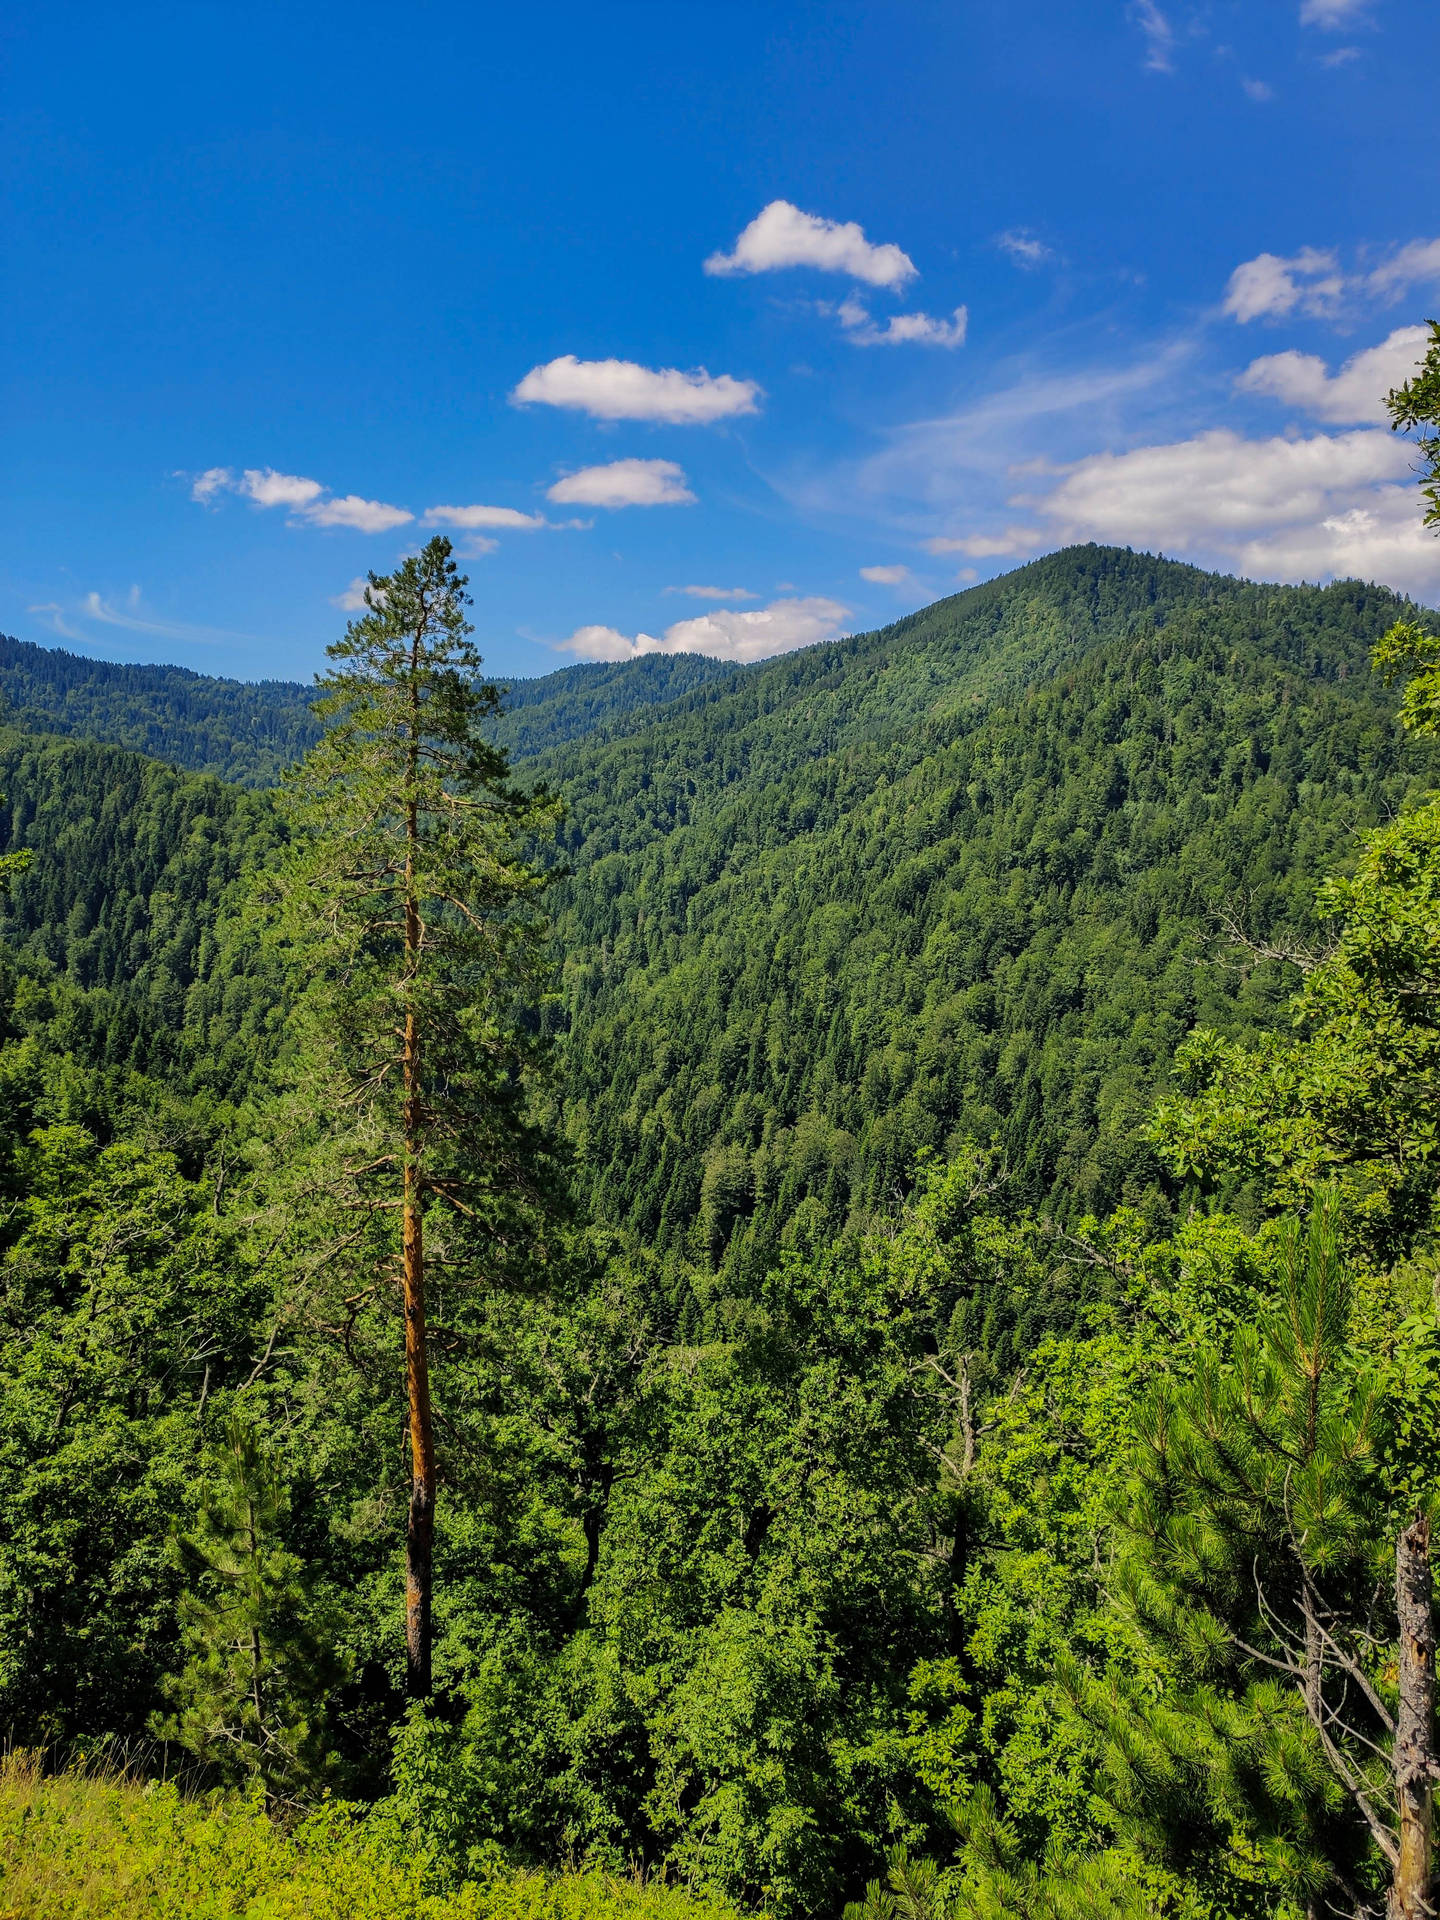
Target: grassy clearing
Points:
(81, 1846)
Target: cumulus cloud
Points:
(625, 483)
(472, 517)
(352, 600)
(1270, 285)
(267, 488)
(1159, 36)
(305, 499)
(623, 390)
(714, 593)
(1024, 248)
(1356, 393)
(364, 516)
(1332, 505)
(781, 235)
(781, 627)
(887, 576)
(902, 329)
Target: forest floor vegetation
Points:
(98, 1844)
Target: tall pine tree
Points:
(409, 907)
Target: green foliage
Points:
(1415, 408)
(86, 1847)
(1357, 1095)
(954, 881)
(1256, 1537)
(403, 745)
(261, 1663)
(238, 730)
(122, 1311)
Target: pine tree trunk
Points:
(1415, 1759)
(420, 1530)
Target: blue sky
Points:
(286, 288)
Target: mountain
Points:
(249, 731)
(956, 878)
(959, 878)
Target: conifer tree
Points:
(407, 904)
(261, 1660)
(1258, 1576)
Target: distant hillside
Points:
(248, 732)
(955, 879)
(238, 730)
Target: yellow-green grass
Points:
(92, 1846)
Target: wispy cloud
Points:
(624, 390)
(1333, 16)
(782, 627)
(625, 483)
(887, 576)
(1257, 90)
(1024, 248)
(1159, 36)
(986, 546)
(902, 329)
(714, 593)
(781, 235)
(129, 614)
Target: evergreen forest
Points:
(802, 1289)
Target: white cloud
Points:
(985, 546)
(1270, 285)
(724, 635)
(306, 499)
(1331, 16)
(887, 576)
(364, 516)
(352, 600)
(1333, 505)
(1339, 57)
(781, 235)
(1356, 393)
(1414, 264)
(267, 488)
(902, 329)
(1024, 248)
(714, 593)
(622, 390)
(625, 483)
(214, 480)
(472, 517)
(1159, 36)
(132, 617)
(1257, 90)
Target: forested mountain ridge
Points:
(248, 732)
(239, 730)
(958, 879)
